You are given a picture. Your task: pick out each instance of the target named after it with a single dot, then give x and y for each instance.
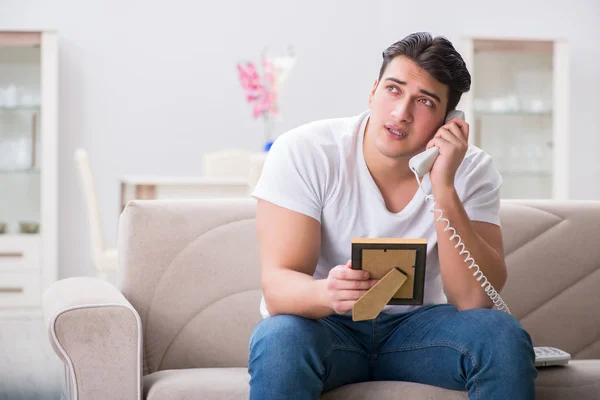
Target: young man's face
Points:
(407, 107)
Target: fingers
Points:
(343, 284)
(346, 273)
(343, 295)
(462, 125)
(346, 285)
(455, 128)
(445, 146)
(342, 307)
(449, 137)
(452, 133)
(430, 144)
(342, 301)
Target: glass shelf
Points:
(28, 137)
(18, 235)
(20, 108)
(525, 174)
(486, 113)
(29, 171)
(514, 113)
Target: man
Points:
(327, 182)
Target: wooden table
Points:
(149, 187)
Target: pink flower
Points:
(260, 91)
(248, 76)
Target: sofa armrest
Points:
(98, 334)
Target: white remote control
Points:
(547, 356)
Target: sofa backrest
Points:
(552, 254)
(191, 270)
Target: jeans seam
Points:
(374, 341)
(451, 345)
(337, 347)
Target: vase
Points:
(268, 124)
(268, 145)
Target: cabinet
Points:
(518, 112)
(28, 169)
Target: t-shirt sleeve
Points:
(479, 189)
(295, 175)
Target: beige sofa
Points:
(178, 328)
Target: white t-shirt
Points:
(319, 170)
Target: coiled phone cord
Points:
(486, 285)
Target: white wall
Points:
(148, 86)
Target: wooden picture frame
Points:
(380, 255)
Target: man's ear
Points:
(373, 90)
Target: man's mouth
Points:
(396, 132)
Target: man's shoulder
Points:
(323, 134)
(476, 166)
(475, 157)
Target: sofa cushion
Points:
(233, 383)
(392, 391)
(577, 380)
(580, 379)
(198, 383)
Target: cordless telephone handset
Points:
(420, 165)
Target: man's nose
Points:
(403, 111)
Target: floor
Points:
(29, 368)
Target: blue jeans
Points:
(485, 352)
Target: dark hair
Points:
(438, 57)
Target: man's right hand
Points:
(345, 286)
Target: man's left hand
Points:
(452, 140)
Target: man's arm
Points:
(482, 240)
(289, 251)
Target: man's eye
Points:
(392, 89)
(427, 102)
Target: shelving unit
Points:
(518, 112)
(28, 169)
